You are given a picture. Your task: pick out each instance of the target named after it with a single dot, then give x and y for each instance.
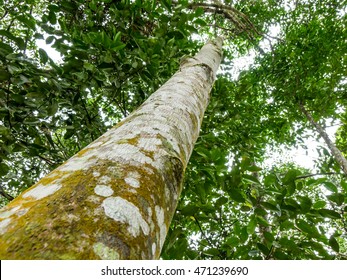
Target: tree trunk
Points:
(333, 149)
(115, 198)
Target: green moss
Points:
(67, 224)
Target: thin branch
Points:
(336, 153)
(50, 162)
(5, 14)
(62, 146)
(5, 194)
(202, 232)
(27, 33)
(317, 174)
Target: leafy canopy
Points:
(114, 54)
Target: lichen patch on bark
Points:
(124, 211)
(4, 224)
(41, 191)
(103, 190)
(161, 224)
(104, 252)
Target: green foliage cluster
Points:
(114, 54)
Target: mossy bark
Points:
(115, 199)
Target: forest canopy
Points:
(235, 203)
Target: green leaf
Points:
(190, 210)
(269, 236)
(92, 5)
(279, 255)
(19, 41)
(334, 244)
(319, 204)
(290, 176)
(134, 65)
(221, 201)
(118, 48)
(307, 228)
(344, 186)
(29, 22)
(250, 179)
(52, 109)
(117, 38)
(263, 248)
(167, 4)
(36, 95)
(305, 204)
(5, 49)
(154, 4)
(69, 133)
(4, 169)
(88, 66)
(43, 56)
(338, 198)
(286, 225)
(232, 241)
(330, 186)
(260, 212)
(251, 225)
(243, 235)
(262, 221)
(49, 39)
(199, 11)
(254, 168)
(52, 17)
(236, 195)
(4, 75)
(327, 213)
(269, 206)
(212, 252)
(13, 69)
(270, 180)
(200, 22)
(4, 130)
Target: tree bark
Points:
(332, 147)
(115, 198)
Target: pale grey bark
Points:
(332, 147)
(115, 199)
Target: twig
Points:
(317, 174)
(5, 194)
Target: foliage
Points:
(114, 54)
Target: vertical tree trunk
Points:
(333, 149)
(115, 199)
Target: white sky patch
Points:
(304, 157)
(52, 53)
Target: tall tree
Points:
(114, 54)
(115, 199)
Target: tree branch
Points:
(5, 194)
